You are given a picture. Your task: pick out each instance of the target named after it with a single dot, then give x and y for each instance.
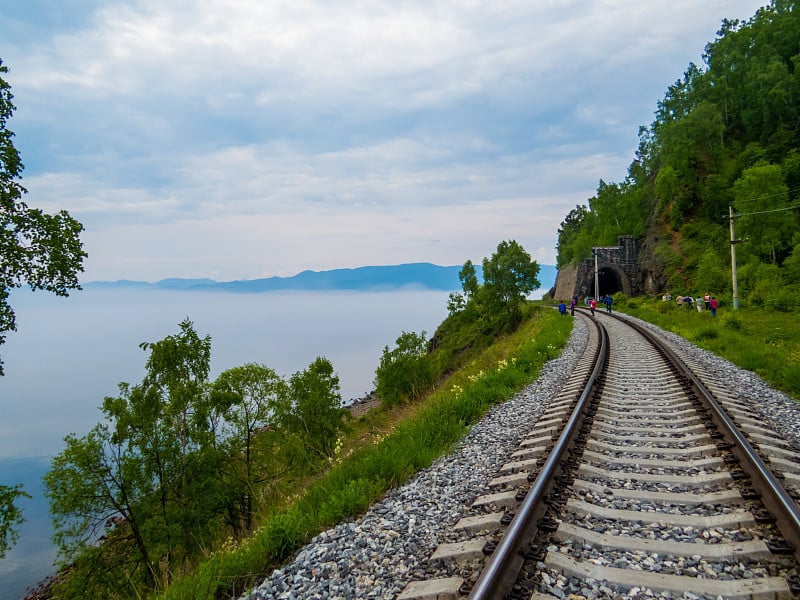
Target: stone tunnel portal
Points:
(609, 280)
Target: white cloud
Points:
(237, 138)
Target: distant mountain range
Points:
(415, 276)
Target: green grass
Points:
(384, 449)
(760, 340)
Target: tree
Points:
(760, 193)
(151, 472)
(37, 249)
(10, 516)
(469, 279)
(509, 275)
(98, 486)
(249, 398)
(315, 410)
(405, 371)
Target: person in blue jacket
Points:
(562, 308)
(607, 301)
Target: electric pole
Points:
(734, 241)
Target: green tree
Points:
(760, 193)
(455, 303)
(568, 231)
(713, 273)
(249, 399)
(509, 275)
(37, 249)
(152, 471)
(98, 487)
(10, 516)
(404, 373)
(469, 279)
(314, 411)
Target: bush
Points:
(706, 333)
(782, 300)
(667, 306)
(732, 322)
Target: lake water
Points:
(69, 353)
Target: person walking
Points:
(572, 306)
(608, 300)
(562, 308)
(713, 306)
(592, 305)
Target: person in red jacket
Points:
(592, 305)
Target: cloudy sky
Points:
(237, 139)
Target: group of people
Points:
(708, 301)
(590, 302)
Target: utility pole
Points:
(596, 278)
(734, 241)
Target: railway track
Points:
(645, 478)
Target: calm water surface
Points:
(69, 353)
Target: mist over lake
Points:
(70, 353)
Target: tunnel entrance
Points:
(608, 281)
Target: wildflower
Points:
(336, 457)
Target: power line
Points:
(745, 201)
(763, 212)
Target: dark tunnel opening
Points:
(608, 281)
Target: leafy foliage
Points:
(405, 372)
(727, 133)
(37, 249)
(314, 408)
(10, 516)
(248, 400)
(180, 463)
(509, 275)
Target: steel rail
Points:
(501, 570)
(773, 493)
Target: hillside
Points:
(726, 138)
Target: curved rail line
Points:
(535, 516)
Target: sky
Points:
(239, 139)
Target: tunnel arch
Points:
(610, 280)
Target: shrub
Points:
(782, 300)
(666, 306)
(706, 333)
(731, 321)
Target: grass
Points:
(759, 340)
(383, 449)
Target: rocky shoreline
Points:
(361, 406)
